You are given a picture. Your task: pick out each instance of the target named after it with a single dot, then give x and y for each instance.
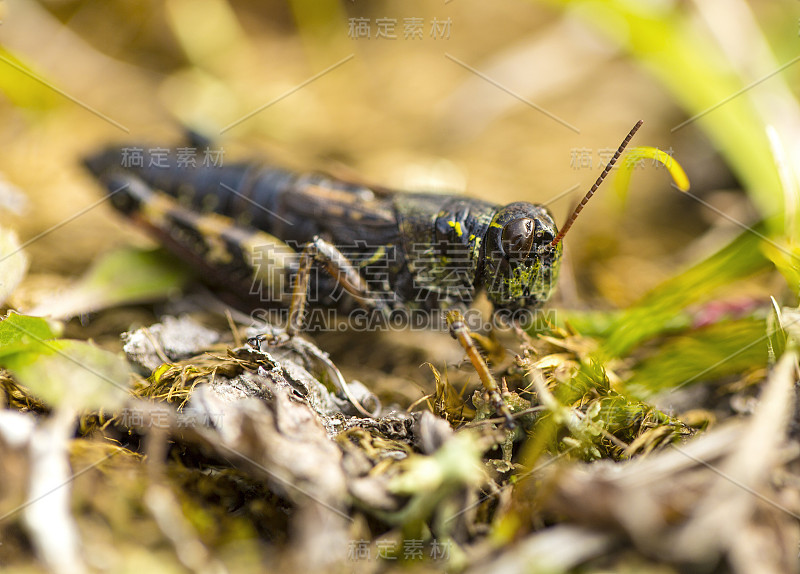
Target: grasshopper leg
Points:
(319, 251)
(461, 333)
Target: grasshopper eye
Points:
(544, 236)
(517, 238)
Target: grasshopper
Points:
(390, 252)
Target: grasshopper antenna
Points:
(597, 183)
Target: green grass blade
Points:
(720, 350)
(659, 308)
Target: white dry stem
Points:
(48, 519)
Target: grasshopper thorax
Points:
(520, 264)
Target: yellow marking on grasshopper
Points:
(457, 226)
(380, 252)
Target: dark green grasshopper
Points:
(256, 231)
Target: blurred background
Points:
(508, 100)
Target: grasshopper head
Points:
(520, 264)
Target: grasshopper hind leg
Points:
(246, 267)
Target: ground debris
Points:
(261, 440)
(173, 339)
